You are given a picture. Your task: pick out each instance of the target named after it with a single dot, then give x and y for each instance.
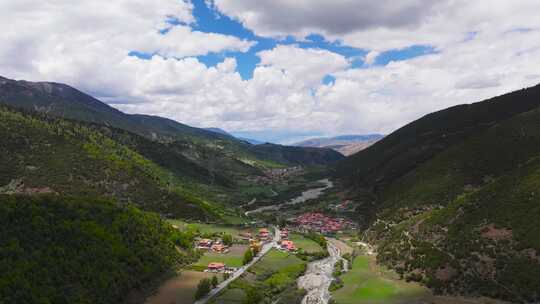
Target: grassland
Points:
(233, 258)
(231, 296)
(276, 261)
(235, 231)
(304, 243)
(367, 283)
(273, 277)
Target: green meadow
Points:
(233, 258)
(302, 242)
(367, 283)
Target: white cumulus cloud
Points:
(480, 53)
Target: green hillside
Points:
(80, 250)
(485, 242)
(454, 205)
(43, 154)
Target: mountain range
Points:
(344, 144)
(223, 132)
(450, 200)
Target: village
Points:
(255, 240)
(247, 251)
(318, 222)
(274, 175)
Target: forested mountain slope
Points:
(43, 154)
(451, 199)
(60, 250)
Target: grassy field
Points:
(231, 296)
(275, 261)
(180, 289)
(212, 228)
(367, 283)
(232, 258)
(305, 243)
(273, 277)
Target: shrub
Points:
(248, 257)
(203, 288)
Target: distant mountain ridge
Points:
(251, 140)
(345, 144)
(219, 131)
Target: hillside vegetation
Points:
(407, 148)
(79, 250)
(452, 198)
(39, 154)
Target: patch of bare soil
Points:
(494, 233)
(180, 289)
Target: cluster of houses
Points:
(273, 175)
(286, 244)
(219, 267)
(215, 246)
(283, 172)
(314, 221)
(255, 243)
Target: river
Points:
(305, 196)
(318, 277)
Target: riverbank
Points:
(318, 277)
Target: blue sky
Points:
(210, 20)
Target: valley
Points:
(328, 278)
(176, 214)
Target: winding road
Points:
(265, 249)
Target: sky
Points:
(279, 70)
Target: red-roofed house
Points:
(288, 245)
(215, 266)
(264, 233)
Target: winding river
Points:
(305, 196)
